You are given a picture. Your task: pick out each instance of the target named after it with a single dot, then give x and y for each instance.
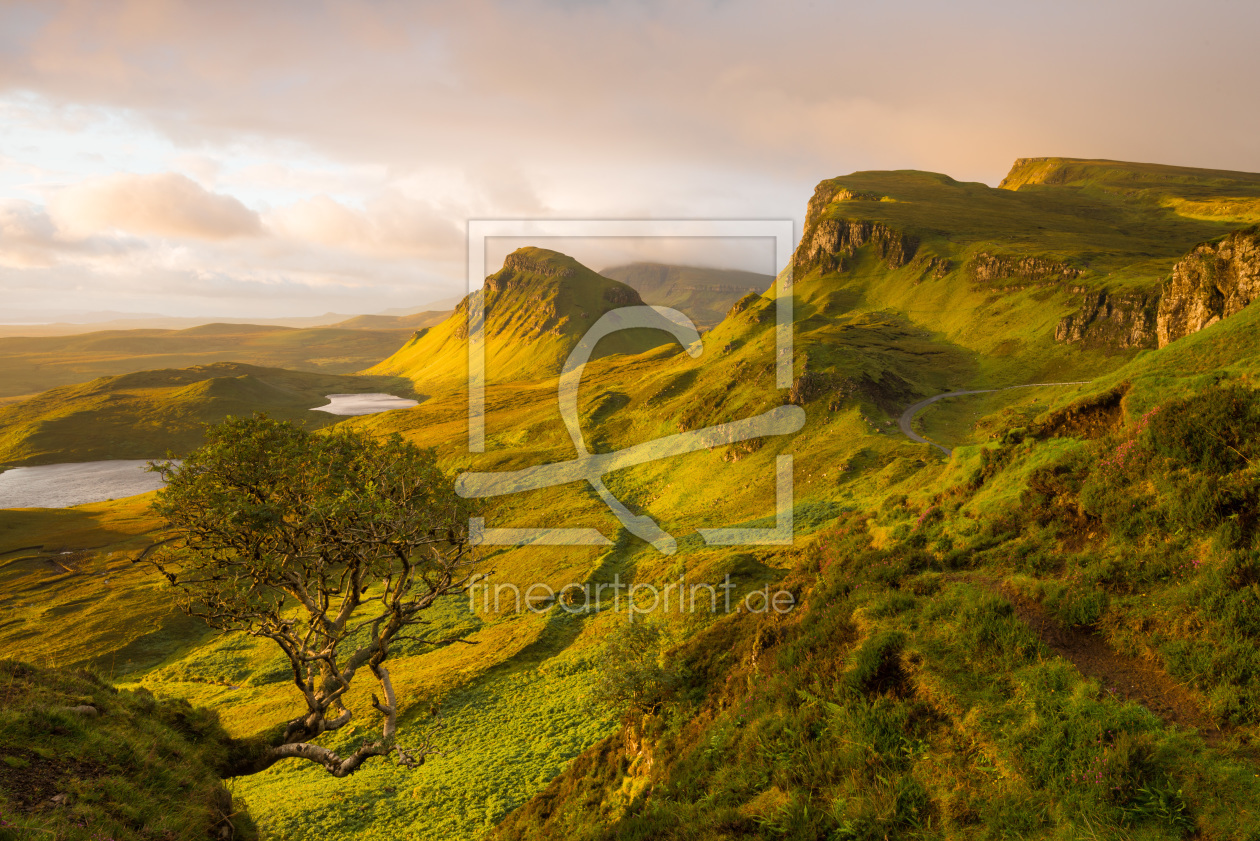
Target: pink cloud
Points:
(163, 204)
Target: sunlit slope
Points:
(415, 321)
(852, 373)
(996, 270)
(1078, 232)
(880, 322)
(537, 308)
(1050, 636)
(1227, 350)
(145, 414)
(1209, 194)
(35, 364)
(704, 294)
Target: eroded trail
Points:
(1130, 678)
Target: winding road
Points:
(907, 417)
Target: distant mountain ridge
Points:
(101, 321)
(31, 364)
(704, 294)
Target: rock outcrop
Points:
(533, 261)
(1214, 281)
(1002, 270)
(1115, 320)
(827, 242)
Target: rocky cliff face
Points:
(1213, 281)
(535, 294)
(1001, 270)
(825, 244)
(519, 263)
(1115, 320)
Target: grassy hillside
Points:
(1052, 636)
(704, 294)
(943, 676)
(540, 300)
(81, 760)
(147, 414)
(36, 364)
(1117, 237)
(1213, 195)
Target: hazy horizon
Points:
(288, 160)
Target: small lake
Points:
(364, 404)
(63, 485)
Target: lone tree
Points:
(330, 545)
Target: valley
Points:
(960, 567)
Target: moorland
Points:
(1047, 632)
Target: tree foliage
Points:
(331, 546)
(635, 676)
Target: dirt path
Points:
(906, 421)
(1130, 678)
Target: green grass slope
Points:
(35, 364)
(1051, 636)
(537, 308)
(875, 709)
(704, 294)
(1100, 234)
(148, 413)
(80, 760)
(994, 271)
(1216, 195)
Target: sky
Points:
(284, 159)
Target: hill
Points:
(409, 321)
(29, 365)
(979, 639)
(1033, 275)
(1049, 635)
(146, 414)
(537, 308)
(33, 324)
(704, 294)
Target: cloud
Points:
(27, 236)
(346, 144)
(29, 239)
(391, 225)
(163, 204)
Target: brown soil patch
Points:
(1130, 678)
(1092, 417)
(34, 786)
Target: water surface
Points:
(364, 404)
(63, 485)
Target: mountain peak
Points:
(541, 261)
(537, 308)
